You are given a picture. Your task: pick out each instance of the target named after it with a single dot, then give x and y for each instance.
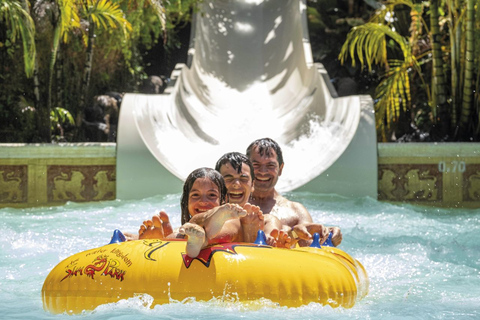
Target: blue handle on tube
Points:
(117, 237)
(316, 241)
(328, 242)
(261, 239)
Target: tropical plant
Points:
(103, 14)
(56, 45)
(60, 119)
(465, 119)
(378, 43)
(17, 22)
(426, 58)
(439, 96)
(137, 22)
(65, 19)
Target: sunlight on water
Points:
(422, 262)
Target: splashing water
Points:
(422, 262)
(315, 147)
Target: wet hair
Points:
(265, 147)
(209, 173)
(236, 159)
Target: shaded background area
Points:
(160, 60)
(432, 112)
(152, 54)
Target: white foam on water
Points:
(421, 262)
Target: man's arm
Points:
(272, 223)
(277, 234)
(301, 213)
(304, 218)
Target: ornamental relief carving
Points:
(80, 183)
(413, 182)
(13, 183)
(471, 183)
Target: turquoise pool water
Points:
(423, 263)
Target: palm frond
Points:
(69, 18)
(160, 12)
(393, 92)
(21, 25)
(368, 44)
(107, 14)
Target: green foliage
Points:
(117, 62)
(371, 44)
(328, 22)
(105, 15)
(18, 24)
(398, 40)
(315, 20)
(17, 119)
(61, 121)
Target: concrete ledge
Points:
(429, 150)
(432, 174)
(438, 174)
(52, 174)
(61, 150)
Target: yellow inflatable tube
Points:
(243, 271)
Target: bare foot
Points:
(254, 216)
(195, 238)
(219, 215)
(151, 229)
(167, 226)
(252, 222)
(279, 239)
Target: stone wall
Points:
(438, 174)
(46, 174)
(434, 174)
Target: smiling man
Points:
(238, 173)
(267, 160)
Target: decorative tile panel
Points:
(80, 183)
(13, 183)
(409, 182)
(471, 183)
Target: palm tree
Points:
(15, 17)
(65, 18)
(99, 14)
(439, 96)
(36, 82)
(370, 44)
(455, 25)
(467, 104)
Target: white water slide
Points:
(250, 75)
